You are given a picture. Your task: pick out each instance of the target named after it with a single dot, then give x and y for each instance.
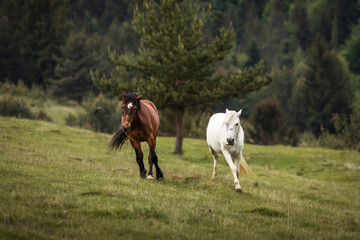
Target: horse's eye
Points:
(236, 124)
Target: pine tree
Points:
(346, 13)
(72, 72)
(276, 34)
(12, 64)
(218, 17)
(326, 87)
(351, 50)
(174, 64)
(320, 18)
(298, 17)
(253, 52)
(37, 30)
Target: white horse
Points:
(225, 135)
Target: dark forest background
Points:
(311, 47)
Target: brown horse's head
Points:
(130, 105)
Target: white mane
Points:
(229, 117)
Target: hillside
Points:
(58, 182)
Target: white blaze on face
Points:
(130, 105)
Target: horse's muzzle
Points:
(230, 141)
(126, 129)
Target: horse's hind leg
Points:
(215, 157)
(237, 165)
(150, 173)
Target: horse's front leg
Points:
(153, 159)
(233, 169)
(139, 157)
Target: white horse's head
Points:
(232, 124)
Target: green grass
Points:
(58, 112)
(58, 182)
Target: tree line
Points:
(312, 49)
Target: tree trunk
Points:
(179, 130)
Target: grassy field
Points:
(58, 112)
(58, 182)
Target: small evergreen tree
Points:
(346, 13)
(72, 72)
(351, 50)
(174, 64)
(326, 87)
(320, 18)
(301, 25)
(296, 107)
(282, 86)
(253, 53)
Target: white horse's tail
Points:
(243, 166)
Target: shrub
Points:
(269, 125)
(71, 120)
(102, 114)
(14, 107)
(42, 115)
(36, 94)
(346, 136)
(308, 139)
(347, 133)
(12, 89)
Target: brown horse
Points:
(140, 123)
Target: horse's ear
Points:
(227, 110)
(239, 113)
(123, 93)
(140, 97)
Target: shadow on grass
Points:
(264, 211)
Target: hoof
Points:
(149, 177)
(213, 177)
(159, 176)
(143, 174)
(239, 190)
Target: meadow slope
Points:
(58, 182)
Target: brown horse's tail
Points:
(118, 140)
